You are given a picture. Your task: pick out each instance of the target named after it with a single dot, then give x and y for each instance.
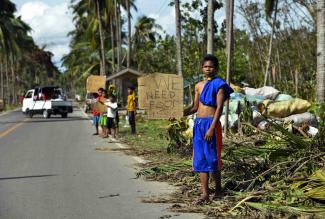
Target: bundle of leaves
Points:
(274, 170)
(178, 141)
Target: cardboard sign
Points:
(94, 82)
(99, 107)
(161, 95)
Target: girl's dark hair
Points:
(211, 58)
(113, 97)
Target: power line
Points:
(162, 6)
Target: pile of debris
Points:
(274, 173)
(274, 166)
(268, 104)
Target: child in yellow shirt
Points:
(131, 109)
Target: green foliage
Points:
(178, 142)
(151, 134)
(26, 64)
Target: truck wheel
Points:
(64, 115)
(29, 113)
(46, 114)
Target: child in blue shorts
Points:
(210, 96)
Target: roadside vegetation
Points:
(276, 172)
(270, 173)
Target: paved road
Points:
(49, 168)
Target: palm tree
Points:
(321, 51)
(13, 39)
(178, 39)
(210, 31)
(230, 36)
(145, 30)
(144, 36)
(93, 11)
(126, 5)
(111, 27)
(7, 42)
(129, 34)
(270, 6)
(117, 20)
(101, 36)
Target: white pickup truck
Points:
(46, 100)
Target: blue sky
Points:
(51, 20)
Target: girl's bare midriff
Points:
(203, 110)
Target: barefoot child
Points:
(210, 96)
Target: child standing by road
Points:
(111, 113)
(131, 109)
(96, 115)
(210, 96)
(112, 90)
(103, 116)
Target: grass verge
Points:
(265, 175)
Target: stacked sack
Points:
(269, 102)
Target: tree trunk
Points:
(230, 36)
(321, 51)
(210, 31)
(274, 75)
(2, 80)
(101, 36)
(117, 36)
(13, 82)
(269, 59)
(279, 65)
(296, 82)
(112, 42)
(7, 96)
(178, 39)
(129, 34)
(119, 42)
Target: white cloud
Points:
(166, 18)
(58, 51)
(166, 21)
(50, 24)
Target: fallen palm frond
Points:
(314, 186)
(267, 207)
(164, 169)
(271, 172)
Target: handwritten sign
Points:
(161, 95)
(94, 82)
(99, 107)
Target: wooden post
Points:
(230, 16)
(296, 81)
